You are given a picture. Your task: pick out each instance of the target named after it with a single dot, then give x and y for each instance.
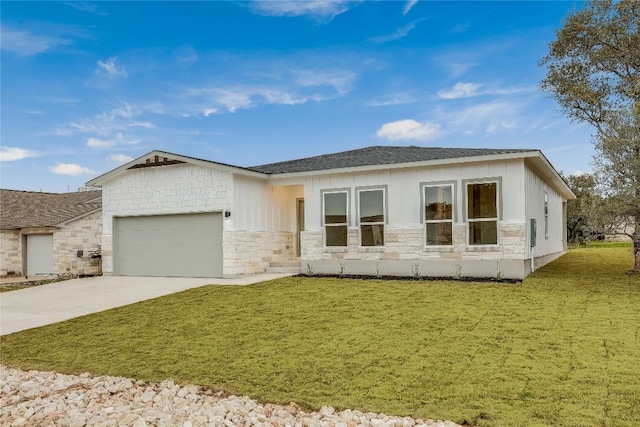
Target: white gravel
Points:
(37, 398)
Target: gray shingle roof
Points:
(377, 155)
(20, 209)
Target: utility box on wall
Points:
(532, 231)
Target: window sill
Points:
(440, 248)
(335, 249)
(483, 248)
(371, 249)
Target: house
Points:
(405, 211)
(50, 233)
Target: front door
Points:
(299, 223)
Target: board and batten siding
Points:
(403, 190)
(535, 189)
(262, 207)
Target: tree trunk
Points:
(636, 248)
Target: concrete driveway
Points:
(55, 302)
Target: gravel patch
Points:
(34, 398)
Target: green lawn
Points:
(561, 349)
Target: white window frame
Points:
(384, 214)
(425, 221)
(325, 225)
(496, 219)
(546, 215)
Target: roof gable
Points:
(159, 158)
(21, 209)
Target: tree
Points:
(582, 212)
(593, 72)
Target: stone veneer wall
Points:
(250, 252)
(404, 254)
(10, 253)
(162, 190)
(85, 234)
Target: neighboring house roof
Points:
(377, 155)
(22, 209)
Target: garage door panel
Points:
(39, 254)
(187, 245)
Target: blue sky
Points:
(87, 86)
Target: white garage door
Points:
(188, 245)
(39, 254)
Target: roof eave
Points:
(75, 218)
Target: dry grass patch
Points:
(560, 349)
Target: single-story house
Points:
(382, 210)
(50, 233)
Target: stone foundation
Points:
(404, 254)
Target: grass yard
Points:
(561, 349)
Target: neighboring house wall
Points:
(162, 190)
(82, 234)
(404, 251)
(10, 253)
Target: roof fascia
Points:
(106, 177)
(75, 218)
(543, 168)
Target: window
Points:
(482, 213)
(438, 214)
(335, 218)
(546, 216)
(371, 207)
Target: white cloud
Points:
(186, 55)
(409, 130)
(578, 172)
(99, 143)
(84, 7)
(319, 9)
(108, 123)
(70, 169)
(467, 90)
(110, 68)
(399, 34)
(461, 28)
(293, 86)
(24, 43)
(120, 158)
(482, 118)
(408, 6)
(460, 90)
(108, 143)
(393, 99)
(10, 154)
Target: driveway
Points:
(55, 302)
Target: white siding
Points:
(404, 190)
(535, 190)
(260, 207)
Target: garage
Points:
(39, 254)
(183, 245)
